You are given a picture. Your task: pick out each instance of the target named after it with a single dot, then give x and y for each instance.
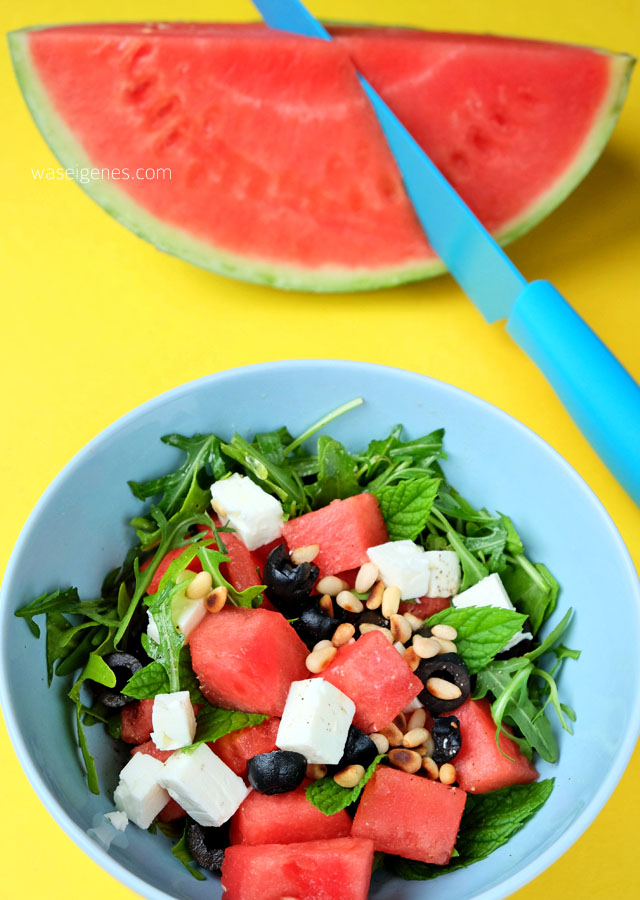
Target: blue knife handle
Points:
(601, 396)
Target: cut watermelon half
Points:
(255, 154)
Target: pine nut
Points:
(331, 585)
(315, 771)
(401, 722)
(366, 577)
(326, 605)
(380, 741)
(415, 623)
(422, 750)
(443, 690)
(349, 777)
(305, 554)
(411, 658)
(392, 734)
(375, 597)
(343, 634)
(347, 600)
(318, 660)
(216, 599)
(406, 760)
(200, 586)
(391, 601)
(322, 644)
(446, 646)
(366, 627)
(414, 737)
(448, 632)
(431, 768)
(425, 647)
(417, 719)
(400, 628)
(447, 773)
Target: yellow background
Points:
(95, 321)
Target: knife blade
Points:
(598, 392)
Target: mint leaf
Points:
(330, 798)
(488, 822)
(406, 506)
(336, 478)
(214, 723)
(146, 683)
(482, 631)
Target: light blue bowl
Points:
(78, 531)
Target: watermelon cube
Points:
(238, 747)
(378, 680)
(336, 869)
(247, 658)
(480, 766)
(285, 819)
(425, 607)
(137, 723)
(194, 566)
(343, 530)
(410, 816)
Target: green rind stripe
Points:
(178, 242)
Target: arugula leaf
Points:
(67, 601)
(211, 561)
(489, 540)
(330, 798)
(532, 589)
(406, 506)
(171, 640)
(181, 851)
(272, 444)
(98, 671)
(483, 631)
(213, 723)
(336, 479)
(473, 570)
(488, 822)
(274, 478)
(325, 420)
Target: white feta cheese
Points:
(403, 564)
(139, 793)
(118, 819)
(203, 785)
(490, 591)
(186, 614)
(255, 515)
(316, 721)
(444, 573)
(415, 704)
(174, 722)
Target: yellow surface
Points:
(96, 321)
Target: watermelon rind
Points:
(178, 242)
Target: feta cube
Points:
(444, 573)
(490, 591)
(203, 785)
(118, 819)
(254, 514)
(403, 564)
(174, 722)
(315, 721)
(139, 793)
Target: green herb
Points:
(330, 797)
(483, 631)
(406, 506)
(488, 822)
(181, 851)
(272, 477)
(98, 671)
(211, 561)
(336, 477)
(532, 589)
(214, 723)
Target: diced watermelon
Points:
(343, 530)
(424, 607)
(238, 747)
(376, 677)
(285, 819)
(247, 658)
(242, 568)
(195, 566)
(410, 816)
(480, 766)
(150, 749)
(338, 869)
(137, 722)
(171, 810)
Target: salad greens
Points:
(417, 503)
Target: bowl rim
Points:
(97, 852)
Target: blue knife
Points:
(595, 388)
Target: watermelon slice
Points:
(137, 721)
(266, 161)
(236, 748)
(285, 819)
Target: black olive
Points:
(276, 772)
(526, 645)
(371, 617)
(358, 750)
(207, 845)
(313, 625)
(447, 739)
(123, 666)
(289, 586)
(450, 667)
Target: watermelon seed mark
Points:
(140, 56)
(459, 161)
(166, 108)
(480, 140)
(137, 93)
(170, 140)
(527, 97)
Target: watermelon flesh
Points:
(137, 721)
(279, 172)
(285, 819)
(410, 816)
(238, 747)
(336, 869)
